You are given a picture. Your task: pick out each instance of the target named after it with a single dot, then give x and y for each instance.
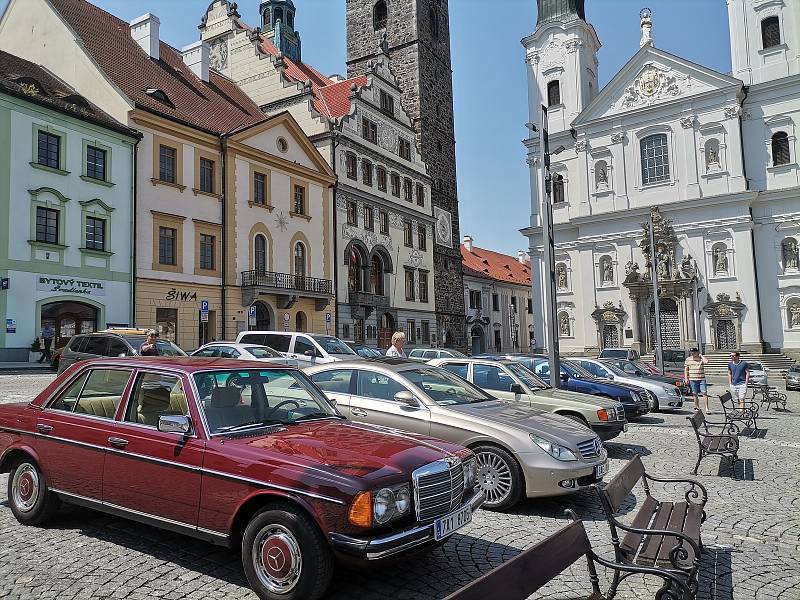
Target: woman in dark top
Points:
(149, 347)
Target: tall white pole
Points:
(656, 304)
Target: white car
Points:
(308, 348)
(663, 396)
(244, 352)
(758, 374)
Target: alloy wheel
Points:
(494, 477)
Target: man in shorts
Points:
(694, 374)
(738, 377)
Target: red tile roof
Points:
(500, 267)
(218, 105)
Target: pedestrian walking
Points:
(48, 334)
(396, 349)
(738, 377)
(694, 374)
(150, 347)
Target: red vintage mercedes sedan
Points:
(236, 453)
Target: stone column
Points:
(691, 329)
(637, 329)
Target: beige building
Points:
(213, 175)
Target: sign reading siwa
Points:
(70, 285)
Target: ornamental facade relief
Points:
(653, 84)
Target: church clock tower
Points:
(415, 35)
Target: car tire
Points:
(285, 556)
(30, 499)
(653, 402)
(577, 419)
(499, 477)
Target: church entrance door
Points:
(610, 336)
(726, 335)
(670, 324)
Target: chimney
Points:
(197, 57)
(144, 31)
(468, 243)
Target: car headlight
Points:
(634, 396)
(390, 503)
(470, 473)
(553, 449)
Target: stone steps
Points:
(717, 365)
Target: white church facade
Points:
(712, 158)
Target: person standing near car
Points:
(738, 377)
(396, 349)
(48, 334)
(694, 374)
(150, 347)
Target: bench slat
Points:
(676, 523)
(631, 541)
(621, 485)
(518, 578)
(652, 543)
(691, 527)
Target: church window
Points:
(278, 14)
(780, 149)
(290, 19)
(434, 22)
(655, 159)
(553, 93)
(380, 15)
(770, 32)
(558, 189)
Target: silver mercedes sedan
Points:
(521, 451)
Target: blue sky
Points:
(489, 78)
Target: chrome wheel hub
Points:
(494, 478)
(277, 559)
(25, 488)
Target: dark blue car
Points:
(574, 378)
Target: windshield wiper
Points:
(262, 423)
(316, 415)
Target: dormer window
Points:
(79, 101)
(553, 93)
(770, 32)
(160, 95)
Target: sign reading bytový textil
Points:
(70, 285)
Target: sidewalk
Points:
(25, 366)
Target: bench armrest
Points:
(728, 427)
(691, 494)
(678, 552)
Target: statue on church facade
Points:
(561, 277)
(794, 315)
(687, 269)
(720, 257)
(607, 270)
(790, 254)
(563, 324)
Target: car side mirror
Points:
(610, 376)
(332, 402)
(516, 389)
(564, 377)
(407, 398)
(180, 424)
(310, 353)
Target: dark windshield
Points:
(234, 400)
(332, 345)
(263, 352)
(614, 369)
(614, 353)
(165, 347)
(527, 377)
(444, 388)
(575, 370)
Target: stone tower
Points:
(277, 24)
(415, 35)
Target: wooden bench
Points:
(725, 443)
(746, 415)
(530, 570)
(768, 395)
(664, 537)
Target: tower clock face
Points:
(444, 228)
(219, 55)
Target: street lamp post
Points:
(656, 304)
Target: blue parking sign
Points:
(204, 306)
(252, 312)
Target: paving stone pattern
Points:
(752, 535)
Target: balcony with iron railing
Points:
(367, 299)
(257, 282)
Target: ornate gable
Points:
(654, 77)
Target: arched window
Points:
(260, 253)
(266, 19)
(558, 189)
(780, 149)
(433, 16)
(380, 15)
(355, 271)
(290, 19)
(655, 159)
(553, 93)
(278, 15)
(770, 32)
(300, 321)
(376, 275)
(299, 260)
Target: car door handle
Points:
(117, 442)
(42, 428)
(357, 412)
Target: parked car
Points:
(236, 453)
(662, 395)
(426, 354)
(637, 368)
(627, 353)
(635, 400)
(793, 378)
(520, 451)
(365, 351)
(304, 347)
(244, 352)
(758, 373)
(509, 380)
(116, 343)
(673, 359)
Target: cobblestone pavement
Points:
(752, 535)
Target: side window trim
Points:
(186, 384)
(63, 389)
(88, 374)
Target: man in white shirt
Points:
(396, 349)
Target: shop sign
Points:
(183, 296)
(70, 285)
(11, 326)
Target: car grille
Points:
(590, 448)
(617, 413)
(644, 396)
(438, 488)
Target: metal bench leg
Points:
(699, 458)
